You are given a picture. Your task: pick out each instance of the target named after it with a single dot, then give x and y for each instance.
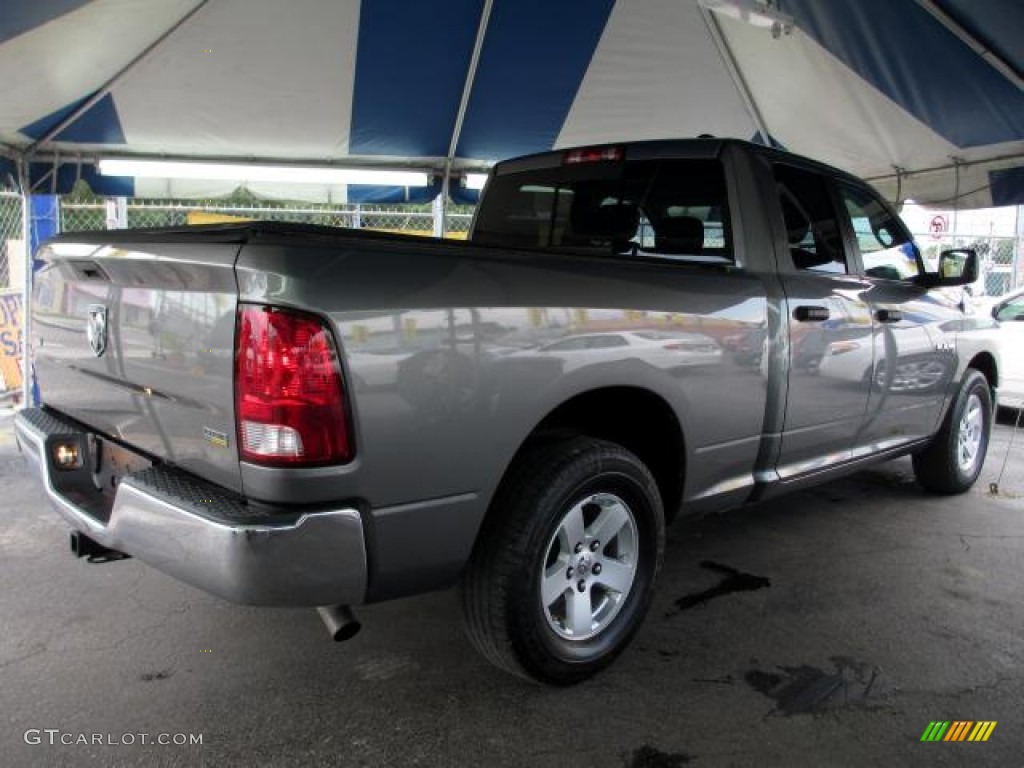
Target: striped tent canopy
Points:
(923, 97)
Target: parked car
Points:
(1008, 310)
(295, 469)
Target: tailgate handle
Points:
(889, 315)
(806, 314)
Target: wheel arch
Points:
(636, 418)
(985, 362)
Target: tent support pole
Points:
(438, 207)
(729, 60)
(460, 117)
(50, 175)
(994, 59)
(26, 286)
(899, 186)
(997, 160)
(109, 85)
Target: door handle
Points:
(889, 315)
(807, 314)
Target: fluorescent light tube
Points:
(291, 174)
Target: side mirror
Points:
(958, 266)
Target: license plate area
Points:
(110, 462)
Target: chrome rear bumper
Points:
(205, 536)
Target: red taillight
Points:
(592, 155)
(289, 400)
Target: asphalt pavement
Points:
(827, 628)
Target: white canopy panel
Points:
(922, 96)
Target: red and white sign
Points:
(938, 226)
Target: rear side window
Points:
(606, 342)
(676, 209)
(812, 227)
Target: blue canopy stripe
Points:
(409, 75)
(20, 17)
(534, 58)
(1007, 186)
(991, 22)
(911, 58)
(8, 173)
(100, 124)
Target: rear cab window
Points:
(675, 209)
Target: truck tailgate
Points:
(135, 338)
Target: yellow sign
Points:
(10, 341)
(207, 217)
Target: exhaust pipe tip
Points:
(83, 546)
(341, 623)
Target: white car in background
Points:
(1008, 310)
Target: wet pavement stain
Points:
(649, 757)
(734, 581)
(807, 690)
(149, 677)
(727, 680)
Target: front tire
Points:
(564, 569)
(953, 460)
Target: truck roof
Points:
(699, 148)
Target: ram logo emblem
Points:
(96, 329)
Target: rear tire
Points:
(544, 597)
(953, 460)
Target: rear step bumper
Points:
(202, 534)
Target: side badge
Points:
(215, 438)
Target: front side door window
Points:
(885, 247)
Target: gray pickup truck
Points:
(300, 416)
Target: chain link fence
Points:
(11, 245)
(88, 215)
(12, 284)
(1001, 259)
